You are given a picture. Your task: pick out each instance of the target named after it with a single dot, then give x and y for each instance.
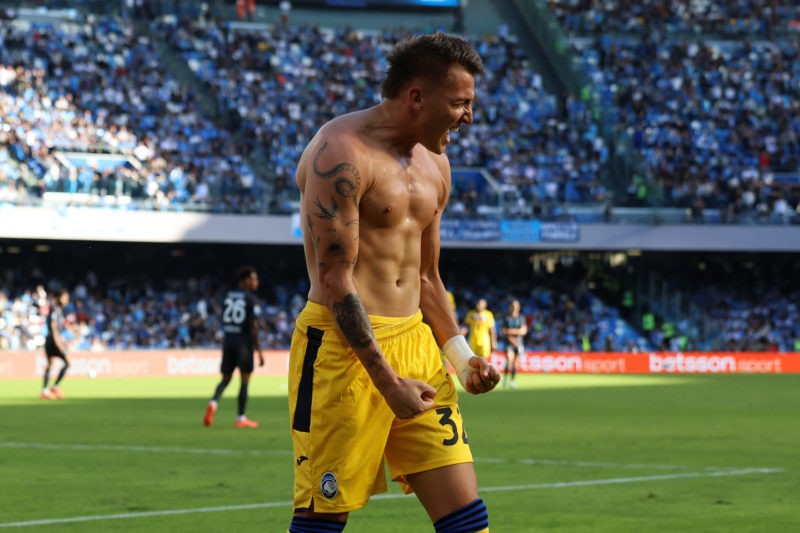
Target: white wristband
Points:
(457, 351)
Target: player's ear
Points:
(415, 98)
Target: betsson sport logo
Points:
(714, 364)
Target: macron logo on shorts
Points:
(328, 485)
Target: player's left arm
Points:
(475, 373)
(255, 329)
(523, 326)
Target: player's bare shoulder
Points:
(334, 155)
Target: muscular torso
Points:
(399, 198)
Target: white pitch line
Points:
(212, 451)
(146, 449)
(555, 485)
(591, 464)
(637, 479)
(145, 514)
(222, 451)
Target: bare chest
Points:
(403, 192)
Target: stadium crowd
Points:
(718, 124)
(746, 323)
(708, 94)
(135, 312)
(99, 87)
(719, 18)
(141, 311)
(280, 85)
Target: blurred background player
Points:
(482, 334)
(55, 345)
(240, 328)
(515, 327)
(452, 299)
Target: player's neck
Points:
(386, 124)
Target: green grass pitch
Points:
(578, 453)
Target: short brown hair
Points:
(429, 55)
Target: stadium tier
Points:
(101, 109)
(573, 302)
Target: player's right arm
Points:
(332, 183)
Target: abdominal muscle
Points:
(384, 297)
(387, 271)
(386, 276)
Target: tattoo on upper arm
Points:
(314, 236)
(327, 213)
(346, 186)
(353, 321)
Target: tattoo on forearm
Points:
(327, 213)
(353, 321)
(346, 186)
(372, 362)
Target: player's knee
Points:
(472, 518)
(301, 524)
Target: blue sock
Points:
(315, 525)
(469, 519)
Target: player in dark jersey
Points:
(515, 327)
(240, 328)
(55, 346)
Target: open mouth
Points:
(452, 129)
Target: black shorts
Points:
(51, 349)
(237, 356)
(516, 350)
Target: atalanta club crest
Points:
(328, 485)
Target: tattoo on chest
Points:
(348, 179)
(353, 321)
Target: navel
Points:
(387, 209)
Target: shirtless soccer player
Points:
(366, 378)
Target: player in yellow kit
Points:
(366, 378)
(482, 333)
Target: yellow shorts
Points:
(343, 429)
(481, 349)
